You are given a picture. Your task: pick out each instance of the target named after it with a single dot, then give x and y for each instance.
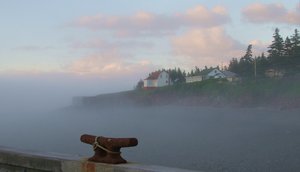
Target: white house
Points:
(190, 79)
(157, 79)
(273, 73)
(216, 73)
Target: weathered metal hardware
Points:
(107, 150)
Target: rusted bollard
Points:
(107, 150)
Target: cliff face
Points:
(216, 93)
(113, 99)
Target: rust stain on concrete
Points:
(88, 167)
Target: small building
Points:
(190, 79)
(157, 79)
(230, 76)
(273, 73)
(216, 73)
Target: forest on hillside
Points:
(283, 55)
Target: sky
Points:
(97, 46)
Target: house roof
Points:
(153, 75)
(228, 73)
(204, 72)
(225, 72)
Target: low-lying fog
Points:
(199, 138)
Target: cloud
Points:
(141, 23)
(202, 17)
(271, 13)
(109, 64)
(209, 46)
(100, 44)
(259, 47)
(150, 24)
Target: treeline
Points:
(283, 56)
(178, 75)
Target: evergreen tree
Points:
(276, 48)
(295, 41)
(188, 74)
(234, 65)
(180, 77)
(276, 51)
(139, 85)
(295, 57)
(172, 74)
(176, 75)
(248, 56)
(197, 71)
(246, 65)
(192, 73)
(288, 47)
(262, 64)
(184, 73)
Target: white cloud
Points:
(211, 46)
(259, 47)
(109, 64)
(145, 23)
(271, 13)
(200, 16)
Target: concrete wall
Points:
(12, 160)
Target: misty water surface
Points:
(209, 139)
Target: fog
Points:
(44, 92)
(199, 138)
(34, 117)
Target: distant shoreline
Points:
(279, 94)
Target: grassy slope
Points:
(284, 92)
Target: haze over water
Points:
(51, 51)
(199, 138)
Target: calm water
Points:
(208, 139)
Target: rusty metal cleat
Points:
(107, 150)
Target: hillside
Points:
(283, 93)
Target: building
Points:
(230, 76)
(190, 79)
(216, 73)
(157, 79)
(272, 73)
